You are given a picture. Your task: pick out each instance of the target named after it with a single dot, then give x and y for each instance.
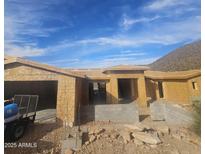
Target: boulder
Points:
(176, 135)
(92, 138)
(135, 127)
(96, 131)
(114, 136)
(137, 142)
(87, 142)
(106, 135)
(70, 124)
(69, 151)
(126, 136)
(163, 129)
(147, 137)
(138, 127)
(99, 131)
(174, 151)
(153, 146)
(98, 136)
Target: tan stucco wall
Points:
(73, 91)
(66, 86)
(195, 92)
(113, 90)
(137, 79)
(108, 92)
(178, 91)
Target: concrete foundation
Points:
(171, 113)
(121, 113)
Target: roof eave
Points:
(41, 66)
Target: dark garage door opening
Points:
(47, 91)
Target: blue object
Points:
(10, 110)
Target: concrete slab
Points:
(45, 115)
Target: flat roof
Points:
(127, 68)
(172, 75)
(100, 74)
(94, 74)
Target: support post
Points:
(142, 92)
(114, 90)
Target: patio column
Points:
(114, 90)
(108, 93)
(142, 92)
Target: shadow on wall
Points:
(151, 89)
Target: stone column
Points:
(142, 92)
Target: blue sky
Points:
(95, 33)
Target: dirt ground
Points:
(48, 137)
(115, 145)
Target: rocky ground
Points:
(139, 139)
(110, 138)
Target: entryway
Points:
(97, 92)
(127, 90)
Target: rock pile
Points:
(138, 134)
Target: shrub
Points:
(197, 116)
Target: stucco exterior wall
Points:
(178, 91)
(108, 93)
(66, 86)
(74, 91)
(195, 92)
(137, 79)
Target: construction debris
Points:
(163, 129)
(92, 138)
(135, 127)
(147, 137)
(126, 136)
(69, 151)
(137, 142)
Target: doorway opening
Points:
(127, 90)
(160, 86)
(97, 92)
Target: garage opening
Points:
(46, 90)
(127, 90)
(97, 92)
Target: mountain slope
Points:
(185, 58)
